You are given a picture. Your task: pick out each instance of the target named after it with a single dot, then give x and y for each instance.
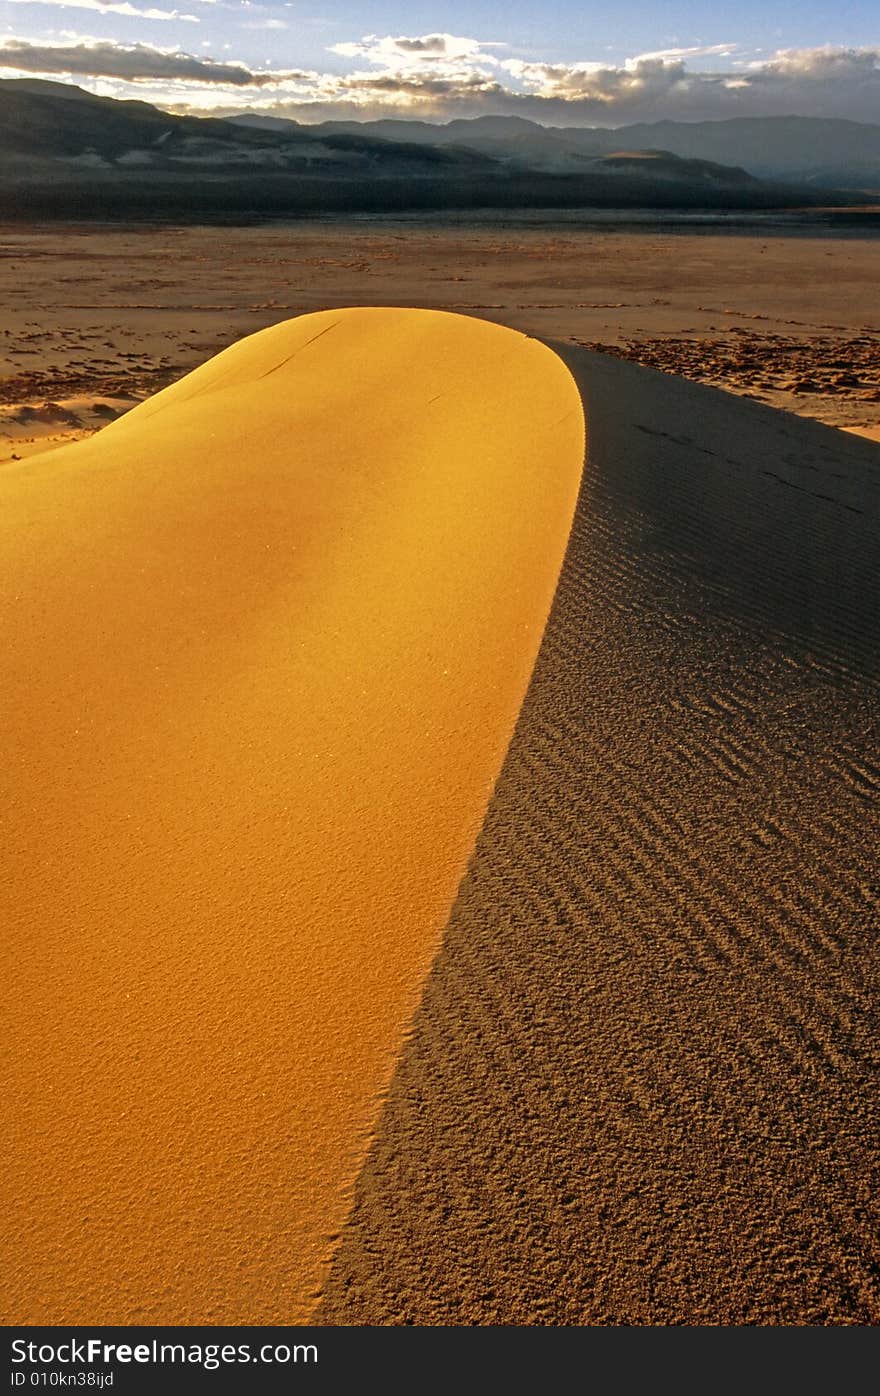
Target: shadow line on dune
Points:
(638, 1087)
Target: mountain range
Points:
(64, 150)
(810, 150)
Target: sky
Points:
(559, 62)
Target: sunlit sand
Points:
(263, 644)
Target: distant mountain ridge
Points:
(56, 121)
(64, 150)
(823, 152)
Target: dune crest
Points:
(264, 642)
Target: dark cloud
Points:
(430, 44)
(132, 62)
(424, 87)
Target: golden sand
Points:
(870, 433)
(263, 644)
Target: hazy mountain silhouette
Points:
(64, 151)
(56, 121)
(806, 149)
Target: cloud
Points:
(706, 51)
(115, 7)
(419, 88)
(449, 51)
(651, 87)
(818, 64)
(133, 63)
(442, 76)
(593, 81)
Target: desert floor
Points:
(96, 319)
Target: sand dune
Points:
(641, 1084)
(264, 641)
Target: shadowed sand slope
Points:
(263, 644)
(641, 1085)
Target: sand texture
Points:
(641, 1083)
(264, 641)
